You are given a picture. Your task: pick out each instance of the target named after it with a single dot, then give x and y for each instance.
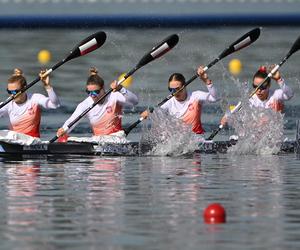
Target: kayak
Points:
(68, 148)
(116, 149)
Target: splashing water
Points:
(260, 130)
(169, 136)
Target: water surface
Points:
(148, 202)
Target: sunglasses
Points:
(174, 90)
(13, 92)
(262, 87)
(93, 92)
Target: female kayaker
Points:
(105, 118)
(186, 105)
(265, 97)
(24, 111)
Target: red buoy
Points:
(214, 214)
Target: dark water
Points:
(148, 202)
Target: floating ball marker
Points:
(235, 67)
(127, 83)
(231, 107)
(214, 214)
(44, 56)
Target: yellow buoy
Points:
(44, 56)
(231, 107)
(235, 66)
(127, 83)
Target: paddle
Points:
(295, 48)
(86, 46)
(241, 43)
(156, 52)
(216, 131)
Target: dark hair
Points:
(177, 77)
(17, 76)
(262, 73)
(94, 78)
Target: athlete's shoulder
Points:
(35, 97)
(86, 102)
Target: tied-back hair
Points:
(177, 77)
(94, 78)
(262, 73)
(17, 76)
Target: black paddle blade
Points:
(88, 45)
(295, 47)
(159, 50)
(242, 42)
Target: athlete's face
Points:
(175, 85)
(94, 91)
(13, 88)
(263, 92)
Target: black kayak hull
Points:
(132, 148)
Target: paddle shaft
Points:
(216, 131)
(133, 125)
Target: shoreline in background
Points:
(146, 13)
(146, 21)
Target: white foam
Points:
(260, 131)
(169, 136)
(18, 138)
(116, 138)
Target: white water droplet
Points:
(169, 136)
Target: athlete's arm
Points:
(286, 92)
(126, 97)
(211, 95)
(4, 111)
(50, 102)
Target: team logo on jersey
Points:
(191, 107)
(31, 111)
(108, 109)
(276, 106)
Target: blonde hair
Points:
(17, 76)
(17, 72)
(93, 71)
(94, 78)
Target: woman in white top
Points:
(186, 105)
(267, 98)
(105, 118)
(24, 111)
